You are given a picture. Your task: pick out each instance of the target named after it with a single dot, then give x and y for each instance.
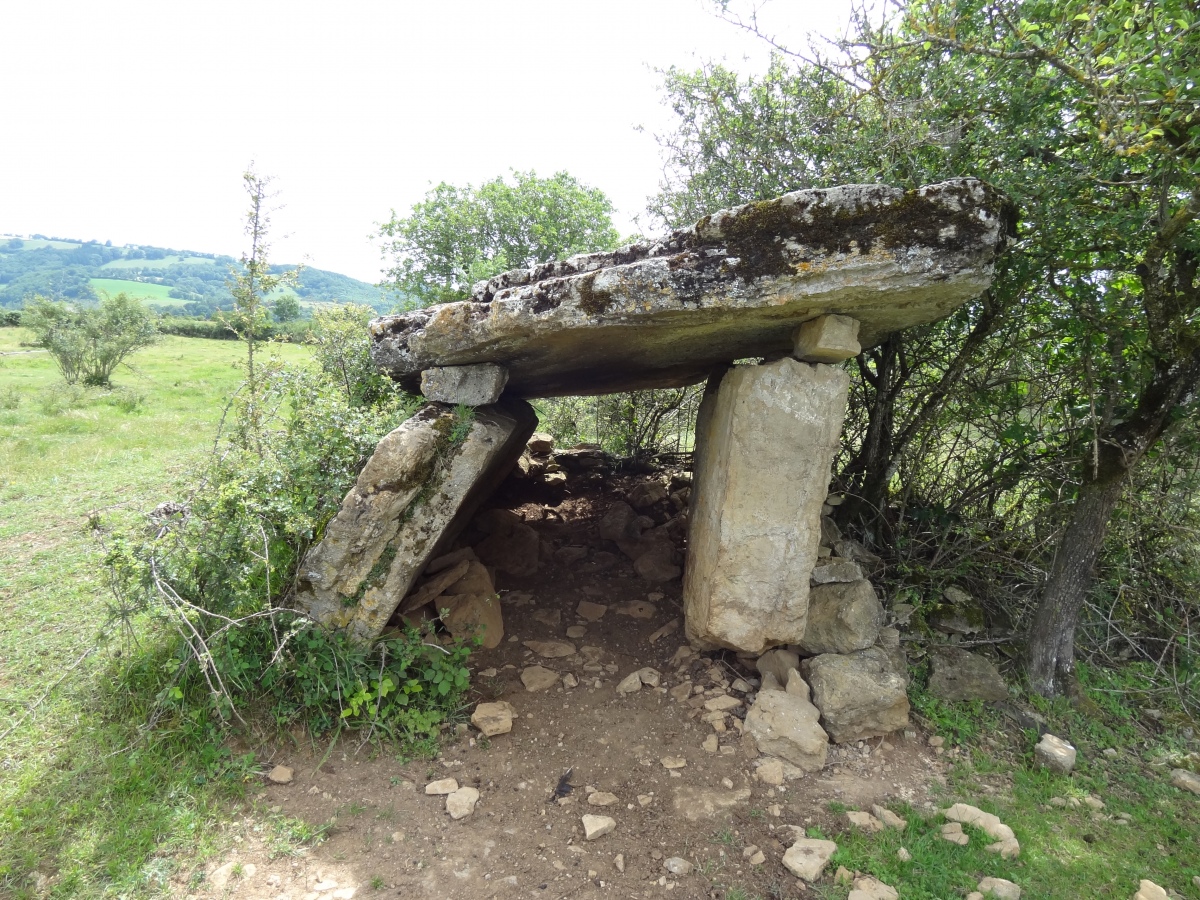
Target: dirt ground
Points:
(389, 839)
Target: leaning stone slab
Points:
(860, 695)
(736, 284)
(416, 491)
(766, 436)
(477, 385)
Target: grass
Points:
(86, 803)
(159, 294)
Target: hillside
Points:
(180, 281)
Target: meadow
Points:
(87, 805)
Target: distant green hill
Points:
(179, 281)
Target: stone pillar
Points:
(765, 441)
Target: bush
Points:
(89, 343)
(219, 570)
(10, 318)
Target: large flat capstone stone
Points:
(765, 440)
(420, 488)
(737, 284)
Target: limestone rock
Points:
(415, 493)
(965, 814)
(696, 803)
(766, 436)
(999, 888)
(777, 662)
(551, 649)
(468, 615)
(798, 686)
(1055, 754)
(786, 725)
(657, 565)
(868, 888)
(441, 786)
(540, 444)
(826, 339)
(833, 570)
(538, 678)
(959, 675)
(281, 775)
(620, 523)
(602, 798)
(953, 832)
(598, 826)
(677, 865)
(888, 818)
(592, 612)
(476, 385)
(865, 821)
(646, 494)
(735, 285)
(461, 803)
(807, 858)
(638, 609)
(493, 718)
(1185, 780)
(960, 614)
(1148, 890)
(842, 618)
(770, 771)
(859, 694)
(630, 684)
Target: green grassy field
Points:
(85, 801)
(159, 294)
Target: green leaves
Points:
(457, 236)
(88, 343)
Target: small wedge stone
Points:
(598, 826)
(441, 786)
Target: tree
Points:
(1086, 115)
(457, 236)
(250, 283)
(286, 308)
(88, 344)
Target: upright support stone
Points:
(766, 437)
(418, 490)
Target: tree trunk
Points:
(1052, 635)
(1051, 646)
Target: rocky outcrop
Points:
(419, 488)
(766, 436)
(736, 284)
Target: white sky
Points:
(132, 122)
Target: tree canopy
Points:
(457, 236)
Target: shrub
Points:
(219, 570)
(88, 344)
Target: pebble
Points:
(673, 762)
(280, 775)
(619, 862)
(677, 865)
(711, 744)
(598, 826)
(903, 855)
(602, 798)
(461, 803)
(538, 678)
(593, 612)
(576, 631)
(441, 786)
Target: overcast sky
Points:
(132, 122)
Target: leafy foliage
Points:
(89, 343)
(457, 236)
